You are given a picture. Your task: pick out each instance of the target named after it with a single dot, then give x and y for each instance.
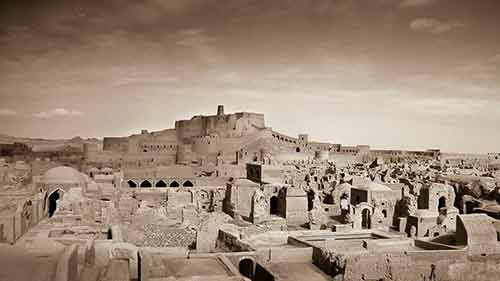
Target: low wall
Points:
(291, 255)
(7, 229)
(67, 266)
(231, 242)
(408, 265)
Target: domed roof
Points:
(63, 175)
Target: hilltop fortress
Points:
(227, 139)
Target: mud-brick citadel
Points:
(227, 139)
(225, 198)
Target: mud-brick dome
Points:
(63, 175)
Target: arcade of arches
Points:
(159, 184)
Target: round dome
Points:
(63, 175)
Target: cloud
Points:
(58, 112)
(495, 59)
(451, 106)
(435, 26)
(201, 43)
(7, 112)
(416, 3)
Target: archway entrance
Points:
(469, 207)
(161, 183)
(187, 184)
(26, 216)
(146, 183)
(441, 203)
(310, 200)
(246, 267)
(132, 184)
(365, 219)
(53, 198)
(174, 184)
(274, 205)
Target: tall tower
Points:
(220, 110)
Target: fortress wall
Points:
(320, 146)
(187, 129)
(343, 160)
(157, 147)
(102, 157)
(148, 159)
(282, 138)
(204, 145)
(93, 154)
(119, 144)
(294, 156)
(185, 154)
(229, 125)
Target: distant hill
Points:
(39, 144)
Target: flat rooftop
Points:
(297, 272)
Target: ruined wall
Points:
(443, 265)
(27, 213)
(296, 209)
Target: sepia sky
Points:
(390, 73)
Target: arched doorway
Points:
(365, 219)
(441, 202)
(469, 206)
(310, 200)
(132, 184)
(188, 183)
(384, 212)
(26, 216)
(246, 267)
(53, 198)
(161, 183)
(174, 184)
(274, 205)
(146, 183)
